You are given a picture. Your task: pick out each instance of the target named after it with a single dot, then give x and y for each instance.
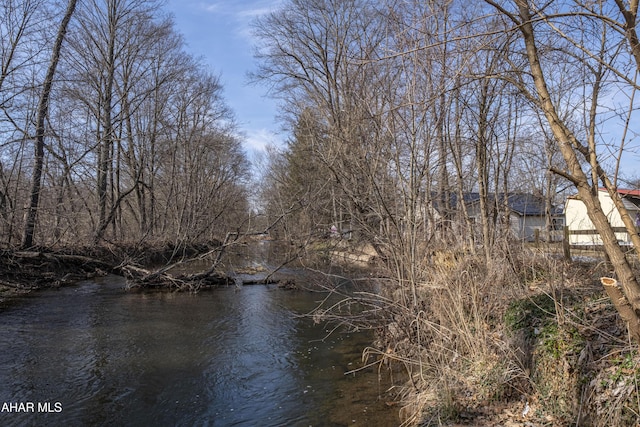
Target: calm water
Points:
(94, 354)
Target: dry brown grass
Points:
(525, 338)
(463, 359)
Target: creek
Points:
(96, 354)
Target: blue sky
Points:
(219, 33)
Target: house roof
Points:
(630, 193)
(630, 198)
(529, 205)
(521, 203)
(624, 192)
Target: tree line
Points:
(111, 130)
(395, 106)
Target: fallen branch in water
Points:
(138, 277)
(34, 269)
(141, 278)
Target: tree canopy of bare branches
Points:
(133, 139)
(418, 104)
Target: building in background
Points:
(581, 229)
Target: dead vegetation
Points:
(528, 339)
(23, 271)
(149, 266)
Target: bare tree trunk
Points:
(455, 148)
(482, 169)
(587, 193)
(621, 304)
(630, 21)
(548, 194)
(105, 151)
(43, 111)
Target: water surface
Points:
(94, 354)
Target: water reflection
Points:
(227, 357)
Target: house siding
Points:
(528, 225)
(577, 219)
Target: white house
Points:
(581, 229)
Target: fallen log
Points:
(138, 277)
(34, 269)
(59, 258)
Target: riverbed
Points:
(96, 354)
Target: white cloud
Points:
(214, 7)
(239, 14)
(251, 13)
(243, 11)
(259, 139)
(246, 12)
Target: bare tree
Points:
(21, 49)
(527, 18)
(43, 111)
(318, 55)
